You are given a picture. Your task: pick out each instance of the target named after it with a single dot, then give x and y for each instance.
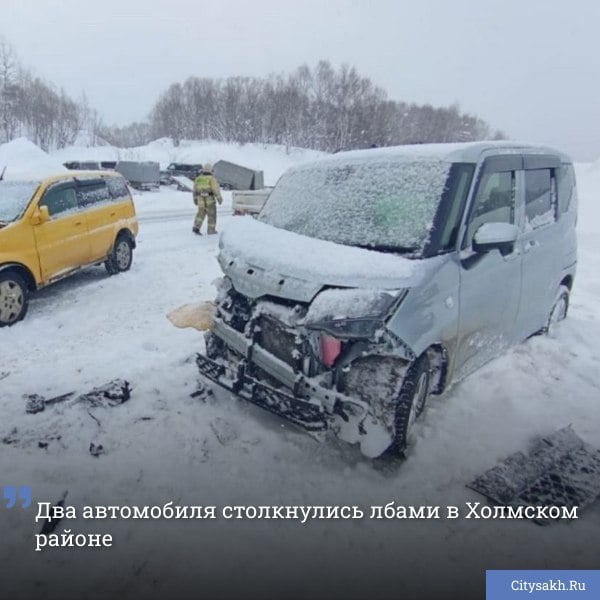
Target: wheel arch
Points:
(23, 271)
(567, 281)
(127, 233)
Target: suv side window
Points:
(117, 187)
(540, 198)
(59, 200)
(91, 192)
(493, 203)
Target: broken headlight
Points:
(352, 313)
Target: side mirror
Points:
(40, 216)
(495, 236)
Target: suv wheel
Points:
(411, 402)
(121, 256)
(13, 298)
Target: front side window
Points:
(60, 201)
(540, 198)
(494, 202)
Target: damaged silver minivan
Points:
(372, 279)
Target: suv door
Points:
(541, 245)
(62, 241)
(101, 213)
(490, 282)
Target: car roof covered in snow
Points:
(468, 152)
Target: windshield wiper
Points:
(389, 248)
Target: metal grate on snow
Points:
(560, 470)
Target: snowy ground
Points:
(163, 445)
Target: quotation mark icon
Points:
(12, 495)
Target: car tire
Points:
(411, 403)
(14, 298)
(120, 257)
(560, 308)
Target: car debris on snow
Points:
(203, 392)
(560, 470)
(96, 449)
(113, 393)
(37, 403)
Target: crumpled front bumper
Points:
(301, 399)
(309, 415)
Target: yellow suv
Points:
(51, 228)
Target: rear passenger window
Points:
(93, 192)
(117, 187)
(494, 202)
(566, 187)
(59, 201)
(540, 198)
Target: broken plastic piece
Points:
(113, 393)
(96, 449)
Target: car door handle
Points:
(530, 245)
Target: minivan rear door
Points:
(101, 214)
(490, 282)
(540, 242)
(62, 241)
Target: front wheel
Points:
(13, 298)
(120, 257)
(411, 402)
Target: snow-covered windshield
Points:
(14, 197)
(378, 203)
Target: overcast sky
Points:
(528, 67)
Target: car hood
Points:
(263, 260)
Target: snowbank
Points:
(24, 160)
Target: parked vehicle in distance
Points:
(51, 228)
(140, 175)
(85, 165)
(236, 177)
(191, 171)
(372, 279)
(249, 202)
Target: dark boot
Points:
(196, 230)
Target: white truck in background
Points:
(249, 202)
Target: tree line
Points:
(31, 107)
(323, 108)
